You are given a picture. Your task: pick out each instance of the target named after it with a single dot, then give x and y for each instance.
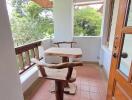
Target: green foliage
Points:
(29, 24)
(87, 22)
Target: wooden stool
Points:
(61, 73)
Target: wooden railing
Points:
(25, 53)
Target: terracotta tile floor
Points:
(91, 85)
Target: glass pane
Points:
(129, 21)
(126, 57)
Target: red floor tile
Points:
(90, 86)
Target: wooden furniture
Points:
(60, 43)
(120, 82)
(58, 73)
(65, 53)
(66, 45)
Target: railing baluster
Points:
(21, 62)
(27, 58)
(36, 53)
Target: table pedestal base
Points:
(59, 88)
(71, 89)
(68, 90)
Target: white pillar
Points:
(10, 87)
(63, 20)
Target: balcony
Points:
(90, 82)
(90, 74)
(23, 77)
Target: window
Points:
(88, 18)
(29, 21)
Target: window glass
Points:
(126, 56)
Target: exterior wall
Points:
(90, 46)
(63, 20)
(106, 55)
(10, 87)
(90, 52)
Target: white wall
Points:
(90, 46)
(63, 20)
(10, 87)
(106, 55)
(29, 77)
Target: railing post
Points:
(21, 62)
(27, 58)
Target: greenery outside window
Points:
(87, 21)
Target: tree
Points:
(87, 22)
(30, 23)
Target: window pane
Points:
(126, 57)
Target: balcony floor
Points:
(91, 85)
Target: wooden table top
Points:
(64, 52)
